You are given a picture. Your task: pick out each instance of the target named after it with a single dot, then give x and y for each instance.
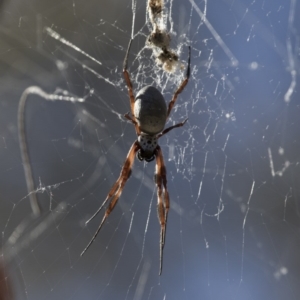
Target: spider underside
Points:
(143, 151)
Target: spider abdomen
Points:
(150, 110)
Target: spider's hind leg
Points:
(130, 89)
(182, 85)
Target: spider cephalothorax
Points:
(148, 144)
(149, 114)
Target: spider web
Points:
(233, 168)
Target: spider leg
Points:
(116, 191)
(128, 117)
(182, 86)
(163, 200)
(171, 127)
(129, 87)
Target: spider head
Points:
(141, 155)
(148, 144)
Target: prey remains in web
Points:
(149, 114)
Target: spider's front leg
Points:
(163, 201)
(115, 191)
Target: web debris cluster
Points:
(159, 39)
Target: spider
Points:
(149, 114)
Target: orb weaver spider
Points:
(149, 114)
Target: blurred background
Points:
(233, 170)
